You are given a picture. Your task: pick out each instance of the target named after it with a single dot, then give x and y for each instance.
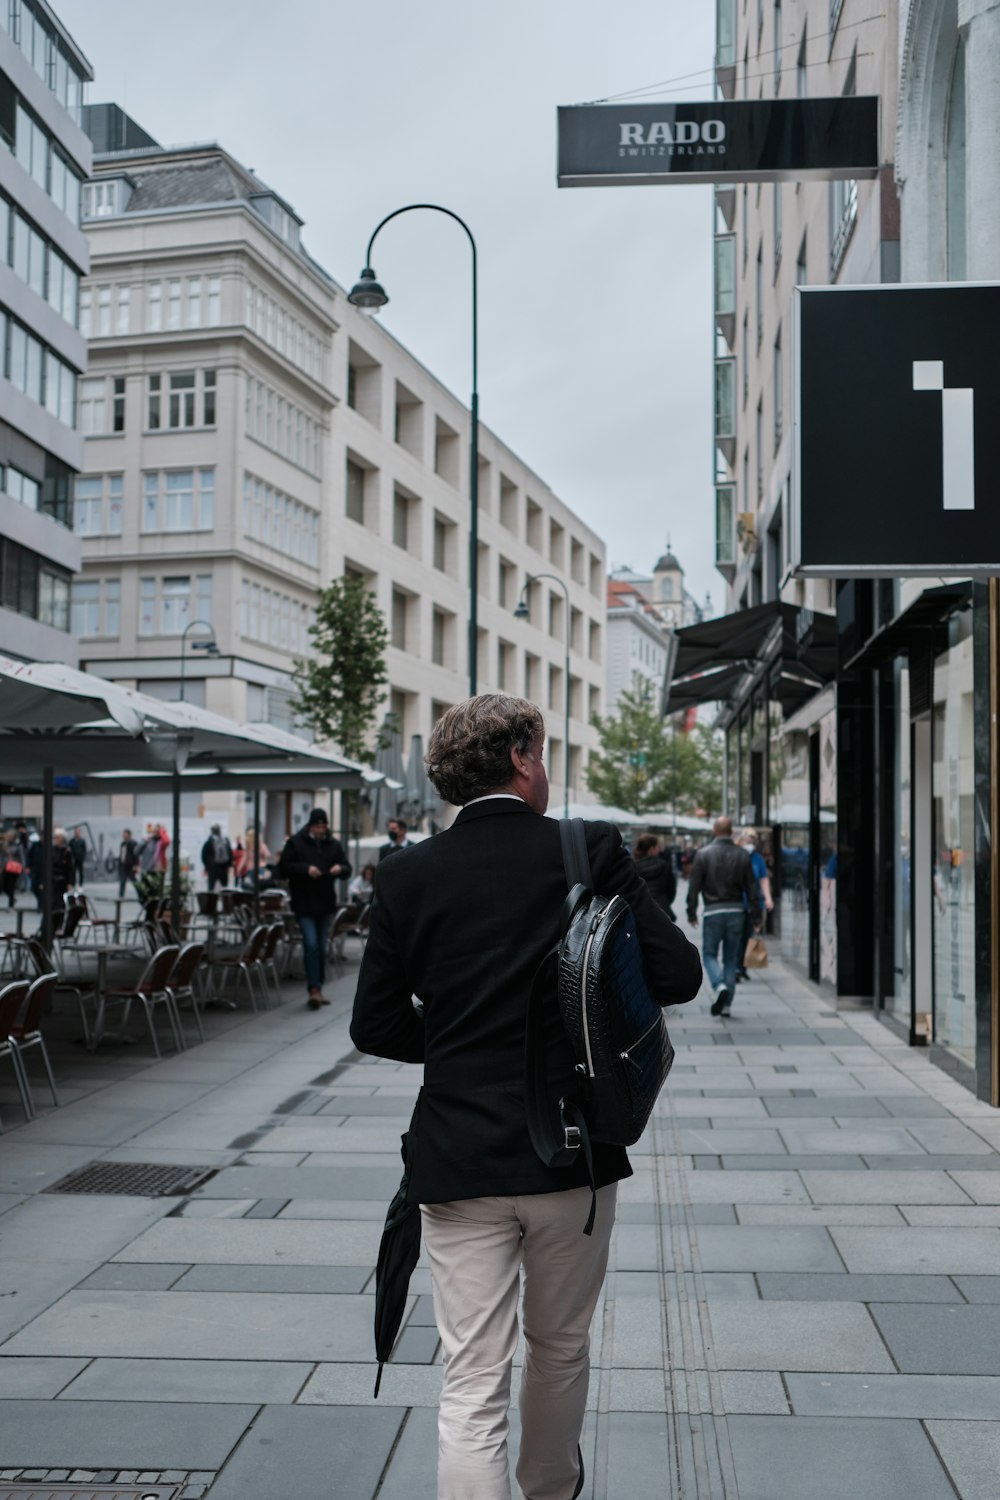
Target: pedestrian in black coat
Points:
(312, 861)
(461, 922)
(656, 872)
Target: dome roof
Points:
(668, 564)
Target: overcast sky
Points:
(596, 336)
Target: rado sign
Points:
(760, 140)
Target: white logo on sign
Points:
(957, 434)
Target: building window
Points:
(122, 309)
(843, 194)
(194, 302)
(173, 304)
(801, 76)
(86, 612)
(776, 215)
(153, 408)
(760, 450)
(355, 503)
(112, 606)
(182, 404)
(88, 506)
(178, 500)
(801, 265)
(759, 292)
(955, 178)
(280, 522)
(439, 638)
(399, 620)
(168, 605)
(154, 307)
(778, 392)
(180, 411)
(103, 329)
(745, 361)
(93, 405)
(777, 47)
(214, 301)
(118, 403)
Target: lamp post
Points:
(523, 613)
(210, 647)
(369, 296)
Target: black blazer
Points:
(461, 921)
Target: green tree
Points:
(633, 768)
(646, 764)
(338, 691)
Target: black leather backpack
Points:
(616, 1028)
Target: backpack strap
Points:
(576, 859)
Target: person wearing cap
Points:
(312, 862)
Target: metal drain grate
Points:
(135, 1179)
(41, 1490)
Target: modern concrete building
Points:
(251, 435)
(859, 724)
(44, 158)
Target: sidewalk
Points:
(792, 1312)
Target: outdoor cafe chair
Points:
(44, 967)
(243, 965)
(267, 962)
(182, 982)
(150, 990)
(12, 997)
(26, 1033)
(102, 929)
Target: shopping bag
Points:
(755, 956)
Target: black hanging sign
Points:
(896, 394)
(727, 140)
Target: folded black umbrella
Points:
(398, 1253)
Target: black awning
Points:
(714, 657)
(912, 626)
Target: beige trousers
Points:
(477, 1248)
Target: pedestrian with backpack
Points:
(722, 876)
(468, 923)
(217, 857)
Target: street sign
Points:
(896, 392)
(726, 140)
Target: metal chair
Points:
(182, 981)
(12, 997)
(103, 928)
(151, 990)
(26, 1034)
(267, 962)
(243, 965)
(44, 967)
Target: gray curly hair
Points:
(469, 750)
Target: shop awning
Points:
(713, 658)
(911, 627)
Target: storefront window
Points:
(828, 848)
(898, 998)
(953, 832)
(775, 762)
(744, 797)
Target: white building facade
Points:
(44, 158)
(250, 435)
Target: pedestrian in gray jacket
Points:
(720, 875)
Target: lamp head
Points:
(209, 647)
(522, 611)
(367, 293)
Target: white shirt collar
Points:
(494, 797)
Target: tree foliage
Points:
(646, 765)
(338, 690)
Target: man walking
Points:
(461, 924)
(396, 829)
(78, 854)
(721, 874)
(312, 861)
(217, 857)
(128, 861)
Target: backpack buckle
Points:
(572, 1134)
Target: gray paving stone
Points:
(412, 1473)
(217, 1325)
(738, 1186)
(848, 1106)
(977, 1288)
(884, 1187)
(417, 1345)
(396, 1105)
(760, 1249)
(794, 1162)
(981, 1186)
(975, 1252)
(638, 1452)
(781, 1214)
(636, 1248)
(915, 1109)
(824, 1140)
(638, 1390)
(729, 1142)
(74, 1228)
(28, 1378)
(352, 1385)
(953, 1216)
(122, 1277)
(139, 1434)
(310, 1181)
(812, 1287)
(314, 1279)
(257, 1242)
(220, 1381)
(304, 1449)
(637, 1340)
(26, 1168)
(941, 1339)
(947, 1137)
(965, 1396)
(808, 1458)
(971, 1454)
(758, 1394)
(836, 1336)
(966, 1162)
(332, 1208)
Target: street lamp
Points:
(523, 613)
(210, 647)
(368, 295)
